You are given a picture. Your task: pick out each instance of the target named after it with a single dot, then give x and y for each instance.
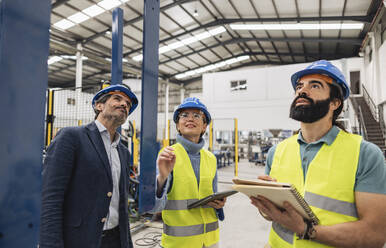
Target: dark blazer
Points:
(76, 180)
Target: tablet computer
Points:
(215, 196)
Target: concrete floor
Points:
(243, 226)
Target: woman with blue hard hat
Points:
(187, 172)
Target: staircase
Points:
(373, 128)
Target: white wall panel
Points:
(382, 66)
(266, 102)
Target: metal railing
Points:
(381, 120)
(361, 129)
(376, 111)
(373, 107)
(362, 126)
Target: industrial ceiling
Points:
(198, 36)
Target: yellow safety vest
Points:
(328, 186)
(190, 228)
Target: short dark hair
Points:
(102, 99)
(336, 93)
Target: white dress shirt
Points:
(115, 164)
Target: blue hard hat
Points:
(192, 103)
(325, 68)
(117, 88)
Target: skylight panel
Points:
(161, 50)
(231, 61)
(78, 17)
(203, 35)
(64, 24)
(187, 41)
(94, 10)
(176, 45)
(138, 57)
(297, 26)
(241, 58)
(109, 4)
(217, 31)
(211, 67)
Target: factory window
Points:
(71, 101)
(238, 85)
(234, 84)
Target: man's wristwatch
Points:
(309, 232)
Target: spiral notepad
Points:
(277, 193)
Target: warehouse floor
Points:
(243, 226)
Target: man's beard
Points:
(311, 112)
(117, 120)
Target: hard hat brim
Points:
(296, 76)
(133, 98)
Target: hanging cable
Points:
(151, 239)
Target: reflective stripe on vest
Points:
(329, 204)
(183, 227)
(328, 186)
(182, 231)
(180, 204)
(283, 233)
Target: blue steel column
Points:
(24, 40)
(117, 43)
(149, 147)
(116, 48)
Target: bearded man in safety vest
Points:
(187, 172)
(341, 176)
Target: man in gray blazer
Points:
(85, 179)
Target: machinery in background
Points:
(259, 143)
(130, 140)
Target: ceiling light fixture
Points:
(123, 60)
(297, 26)
(186, 41)
(212, 67)
(87, 13)
(54, 59)
(195, 13)
(73, 57)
